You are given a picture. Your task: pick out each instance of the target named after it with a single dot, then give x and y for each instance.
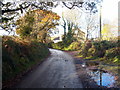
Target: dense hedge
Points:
(62, 46)
(97, 48)
(19, 55)
(108, 51)
(74, 46)
(59, 45)
(113, 55)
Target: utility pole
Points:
(100, 24)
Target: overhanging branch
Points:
(68, 6)
(17, 9)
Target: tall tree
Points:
(10, 10)
(68, 37)
(91, 24)
(70, 19)
(36, 24)
(107, 32)
(64, 26)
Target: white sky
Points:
(110, 14)
(109, 11)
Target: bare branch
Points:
(11, 10)
(68, 6)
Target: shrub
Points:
(54, 45)
(74, 46)
(96, 48)
(91, 51)
(84, 48)
(49, 45)
(111, 53)
(18, 56)
(102, 46)
(107, 51)
(108, 44)
(58, 45)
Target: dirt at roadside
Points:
(82, 72)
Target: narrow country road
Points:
(58, 71)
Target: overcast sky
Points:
(109, 12)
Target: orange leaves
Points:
(45, 19)
(46, 14)
(35, 21)
(56, 17)
(43, 16)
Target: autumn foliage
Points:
(19, 56)
(36, 24)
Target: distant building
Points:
(56, 39)
(79, 34)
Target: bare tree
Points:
(11, 10)
(91, 24)
(64, 25)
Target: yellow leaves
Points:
(116, 59)
(17, 30)
(107, 34)
(56, 17)
(106, 28)
(44, 16)
(47, 14)
(35, 21)
(45, 19)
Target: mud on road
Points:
(58, 71)
(94, 74)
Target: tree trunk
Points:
(87, 34)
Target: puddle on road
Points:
(100, 76)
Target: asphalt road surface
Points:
(58, 71)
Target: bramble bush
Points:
(109, 50)
(73, 46)
(20, 55)
(59, 45)
(97, 47)
(62, 46)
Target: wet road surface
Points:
(58, 71)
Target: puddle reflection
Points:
(99, 73)
(102, 78)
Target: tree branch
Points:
(11, 10)
(45, 24)
(37, 6)
(68, 6)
